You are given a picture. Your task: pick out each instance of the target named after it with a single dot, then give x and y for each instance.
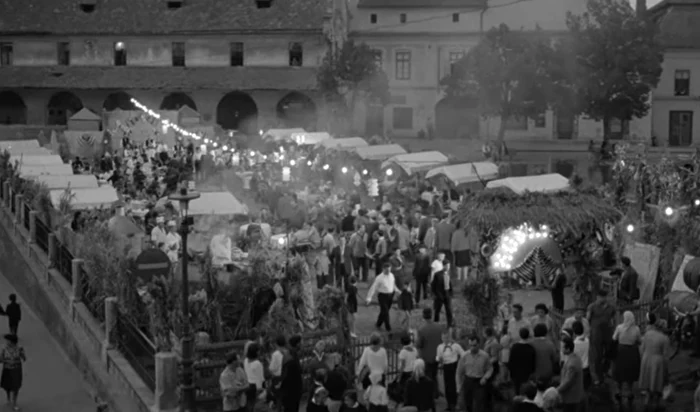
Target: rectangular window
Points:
(680, 124)
(455, 17)
(681, 84)
(237, 54)
(454, 58)
(403, 65)
(63, 53)
(178, 54)
(373, 18)
(402, 17)
(296, 54)
(6, 51)
(119, 54)
(403, 118)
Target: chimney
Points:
(641, 8)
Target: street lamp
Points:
(187, 400)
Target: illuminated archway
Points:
(297, 110)
(237, 111)
(175, 101)
(118, 100)
(12, 108)
(61, 107)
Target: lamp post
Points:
(187, 398)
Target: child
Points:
(406, 304)
(376, 396)
(14, 314)
(407, 357)
(448, 354)
(317, 403)
(350, 403)
(322, 266)
(351, 302)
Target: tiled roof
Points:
(678, 24)
(409, 4)
(166, 78)
(153, 16)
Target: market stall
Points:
(344, 143)
(380, 152)
(83, 199)
(71, 181)
(20, 145)
(412, 163)
(28, 160)
(549, 183)
(465, 173)
(56, 170)
(310, 139)
(281, 134)
(215, 203)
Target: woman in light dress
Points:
(656, 348)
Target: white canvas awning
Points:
(541, 183)
(19, 151)
(466, 172)
(81, 199)
(37, 159)
(305, 138)
(344, 143)
(20, 144)
(282, 134)
(57, 170)
(63, 182)
(380, 152)
(417, 162)
(215, 203)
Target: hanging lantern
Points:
(236, 159)
(373, 187)
(286, 174)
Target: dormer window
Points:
(174, 4)
(263, 4)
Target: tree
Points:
(507, 72)
(350, 73)
(617, 61)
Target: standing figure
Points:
(12, 357)
(14, 314)
(600, 315)
(627, 361)
(653, 376)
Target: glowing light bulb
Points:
(668, 211)
(216, 144)
(119, 45)
(389, 172)
(293, 162)
(630, 228)
(206, 141)
(261, 133)
(364, 172)
(203, 147)
(252, 153)
(326, 167)
(344, 170)
(281, 157)
(697, 202)
(225, 148)
(280, 241)
(308, 163)
(265, 157)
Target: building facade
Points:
(676, 100)
(420, 39)
(245, 65)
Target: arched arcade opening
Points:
(176, 101)
(118, 100)
(238, 111)
(297, 110)
(61, 107)
(12, 108)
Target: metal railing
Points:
(25, 220)
(12, 203)
(42, 235)
(64, 263)
(138, 350)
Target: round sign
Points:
(150, 263)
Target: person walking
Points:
(653, 374)
(421, 273)
(448, 354)
(14, 314)
(419, 389)
(12, 357)
(374, 359)
(571, 386)
(546, 354)
(473, 373)
(384, 286)
(441, 288)
(600, 316)
(358, 247)
(429, 338)
(627, 336)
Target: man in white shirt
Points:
(173, 242)
(158, 234)
(384, 286)
(517, 322)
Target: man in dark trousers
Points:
(14, 314)
(629, 290)
(521, 363)
(429, 338)
(441, 288)
(421, 272)
(291, 381)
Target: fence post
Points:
(77, 280)
(166, 391)
(33, 215)
(53, 250)
(19, 209)
(111, 313)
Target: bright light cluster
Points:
(512, 240)
(165, 123)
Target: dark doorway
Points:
(238, 111)
(175, 101)
(297, 110)
(565, 125)
(12, 109)
(62, 106)
(680, 128)
(457, 117)
(118, 100)
(565, 168)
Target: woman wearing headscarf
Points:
(419, 389)
(627, 337)
(653, 374)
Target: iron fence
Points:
(25, 220)
(92, 297)
(138, 350)
(64, 263)
(42, 236)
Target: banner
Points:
(645, 260)
(139, 126)
(84, 143)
